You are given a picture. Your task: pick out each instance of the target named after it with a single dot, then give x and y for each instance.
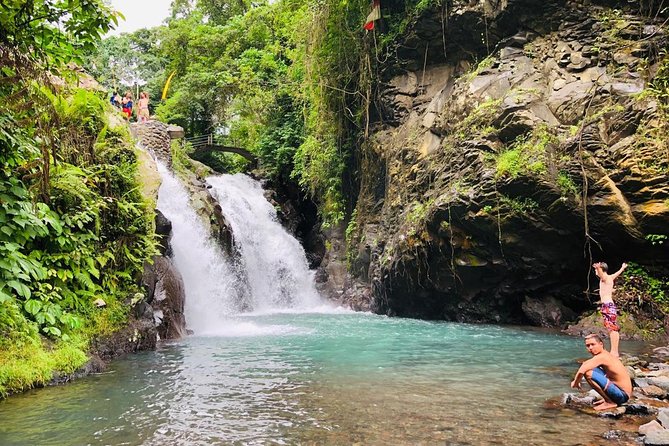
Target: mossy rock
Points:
(631, 327)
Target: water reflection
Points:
(320, 379)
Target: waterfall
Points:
(271, 274)
(274, 262)
(212, 286)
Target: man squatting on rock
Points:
(605, 373)
(608, 308)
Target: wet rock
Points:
(638, 408)
(166, 296)
(661, 352)
(660, 381)
(663, 417)
(163, 231)
(653, 391)
(658, 437)
(618, 412)
(575, 399)
(138, 335)
(652, 425)
(547, 312)
(175, 132)
(154, 136)
(613, 435)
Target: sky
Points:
(139, 14)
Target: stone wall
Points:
(154, 136)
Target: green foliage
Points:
(227, 72)
(352, 227)
(73, 226)
(657, 289)
(418, 212)
(567, 186)
(277, 147)
(289, 80)
(90, 240)
(121, 62)
(53, 31)
(653, 137)
(352, 238)
(527, 154)
(477, 121)
(481, 66)
(657, 239)
(319, 168)
(24, 365)
(519, 206)
(659, 87)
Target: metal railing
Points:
(209, 140)
(200, 140)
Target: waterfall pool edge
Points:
(320, 378)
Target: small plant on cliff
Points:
(527, 154)
(418, 212)
(642, 288)
(656, 239)
(481, 66)
(654, 136)
(415, 222)
(351, 237)
(517, 205)
(478, 121)
(567, 186)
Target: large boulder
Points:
(548, 312)
(166, 295)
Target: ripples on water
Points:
(319, 379)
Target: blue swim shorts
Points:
(614, 392)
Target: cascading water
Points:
(271, 274)
(212, 287)
(273, 260)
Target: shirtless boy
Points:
(605, 373)
(608, 308)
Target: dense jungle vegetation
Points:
(289, 80)
(74, 227)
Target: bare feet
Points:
(603, 405)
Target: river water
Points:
(271, 363)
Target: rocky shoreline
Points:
(644, 419)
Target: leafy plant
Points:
(657, 239)
(567, 186)
(527, 154)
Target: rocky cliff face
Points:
(489, 188)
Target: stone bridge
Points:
(208, 143)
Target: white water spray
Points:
(270, 276)
(273, 260)
(212, 287)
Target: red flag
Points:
(374, 15)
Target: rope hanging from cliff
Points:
(584, 194)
